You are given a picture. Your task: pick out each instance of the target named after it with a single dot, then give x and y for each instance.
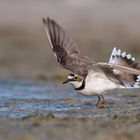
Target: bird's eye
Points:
(75, 77)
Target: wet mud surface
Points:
(31, 110)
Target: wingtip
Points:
(115, 48)
(118, 52)
(44, 20)
(114, 51)
(137, 82)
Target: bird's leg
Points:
(103, 99)
(99, 101)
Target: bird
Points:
(87, 76)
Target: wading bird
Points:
(89, 77)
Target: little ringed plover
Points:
(89, 77)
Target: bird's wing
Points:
(107, 72)
(65, 50)
(121, 58)
(126, 79)
(121, 68)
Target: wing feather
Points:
(65, 50)
(121, 68)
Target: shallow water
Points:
(21, 98)
(40, 110)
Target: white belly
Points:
(98, 84)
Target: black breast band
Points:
(82, 86)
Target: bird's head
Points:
(74, 79)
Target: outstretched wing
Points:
(123, 59)
(107, 72)
(65, 50)
(126, 78)
(121, 68)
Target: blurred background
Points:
(95, 25)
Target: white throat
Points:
(76, 84)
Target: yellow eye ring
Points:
(76, 77)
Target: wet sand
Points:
(42, 128)
(31, 110)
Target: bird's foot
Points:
(100, 104)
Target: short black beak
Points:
(66, 81)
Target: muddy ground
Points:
(31, 110)
(42, 128)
